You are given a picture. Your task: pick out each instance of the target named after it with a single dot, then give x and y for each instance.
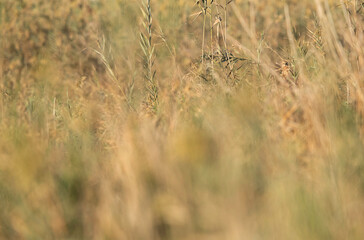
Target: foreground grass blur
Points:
(259, 138)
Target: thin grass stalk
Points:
(148, 50)
(211, 36)
(203, 30)
(227, 2)
(225, 21)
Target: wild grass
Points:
(148, 50)
(211, 120)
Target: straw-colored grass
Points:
(186, 120)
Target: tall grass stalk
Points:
(149, 57)
(204, 10)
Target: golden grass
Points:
(256, 129)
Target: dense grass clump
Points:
(160, 119)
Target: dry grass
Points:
(216, 120)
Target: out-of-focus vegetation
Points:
(224, 120)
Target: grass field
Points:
(184, 119)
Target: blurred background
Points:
(255, 130)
